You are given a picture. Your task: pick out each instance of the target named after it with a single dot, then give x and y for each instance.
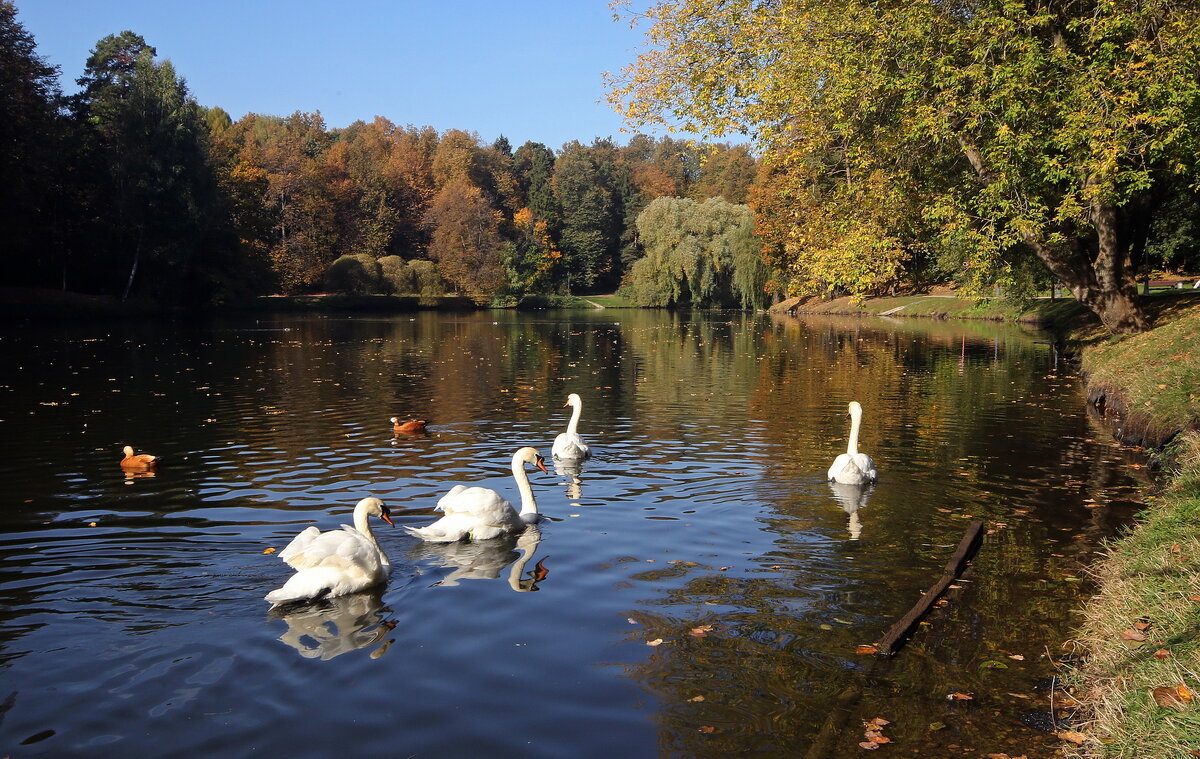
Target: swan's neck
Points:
(362, 523)
(855, 423)
(528, 505)
(573, 425)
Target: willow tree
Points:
(698, 254)
(997, 128)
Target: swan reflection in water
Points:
(333, 626)
(851, 498)
(570, 471)
(486, 559)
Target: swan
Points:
(138, 461)
(336, 562)
(852, 467)
(481, 513)
(409, 427)
(569, 445)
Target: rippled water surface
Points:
(698, 589)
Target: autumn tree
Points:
(465, 241)
(1010, 130)
(530, 259)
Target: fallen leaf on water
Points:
(937, 725)
(268, 550)
(878, 722)
(700, 631)
(1017, 657)
(868, 745)
(631, 620)
(874, 737)
(1072, 736)
(707, 729)
(91, 524)
(696, 698)
(866, 650)
(655, 642)
(960, 697)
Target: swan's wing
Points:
(865, 465)
(449, 497)
(484, 504)
(448, 529)
(845, 470)
(346, 549)
(475, 512)
(321, 581)
(568, 446)
(294, 553)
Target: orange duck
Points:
(410, 427)
(141, 461)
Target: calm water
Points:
(131, 613)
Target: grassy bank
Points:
(1139, 688)
(944, 305)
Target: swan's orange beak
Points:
(387, 517)
(541, 464)
(568, 403)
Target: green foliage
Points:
(1014, 129)
(429, 282)
(131, 188)
(700, 254)
(397, 276)
(31, 135)
(359, 274)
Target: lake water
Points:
(698, 588)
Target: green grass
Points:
(1156, 373)
(994, 309)
(1152, 575)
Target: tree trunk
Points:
(1104, 282)
(137, 254)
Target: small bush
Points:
(428, 282)
(398, 277)
(354, 275)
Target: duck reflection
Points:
(333, 626)
(851, 498)
(486, 559)
(570, 471)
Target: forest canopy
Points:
(966, 138)
(132, 189)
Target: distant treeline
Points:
(130, 188)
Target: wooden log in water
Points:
(899, 632)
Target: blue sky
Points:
(527, 69)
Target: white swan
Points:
(852, 467)
(569, 445)
(336, 562)
(481, 513)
